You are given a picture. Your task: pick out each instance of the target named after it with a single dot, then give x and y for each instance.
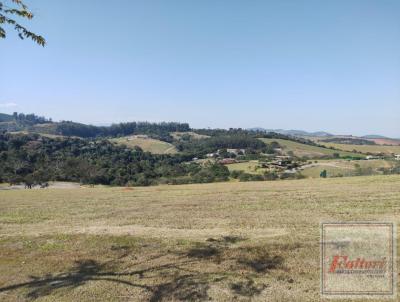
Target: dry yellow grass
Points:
(192, 135)
(300, 149)
(222, 242)
(147, 144)
(248, 167)
(365, 148)
(345, 167)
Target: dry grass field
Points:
(192, 135)
(147, 144)
(300, 150)
(338, 167)
(248, 167)
(365, 148)
(254, 241)
(346, 167)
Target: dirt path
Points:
(329, 164)
(170, 149)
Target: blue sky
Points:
(299, 64)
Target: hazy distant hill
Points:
(373, 136)
(293, 132)
(38, 124)
(5, 117)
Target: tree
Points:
(323, 174)
(17, 8)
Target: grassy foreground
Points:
(222, 242)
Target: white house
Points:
(210, 155)
(397, 156)
(236, 151)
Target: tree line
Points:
(34, 159)
(160, 130)
(29, 119)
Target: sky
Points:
(290, 64)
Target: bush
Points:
(250, 177)
(235, 174)
(270, 176)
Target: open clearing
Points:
(247, 166)
(345, 167)
(192, 135)
(365, 148)
(147, 144)
(386, 141)
(338, 167)
(220, 242)
(301, 150)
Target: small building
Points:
(227, 161)
(211, 155)
(397, 157)
(281, 161)
(369, 157)
(236, 151)
(144, 136)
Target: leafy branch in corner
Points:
(18, 9)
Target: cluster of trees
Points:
(243, 176)
(256, 134)
(349, 141)
(20, 121)
(393, 170)
(33, 159)
(240, 131)
(29, 119)
(200, 147)
(159, 130)
(210, 172)
(221, 139)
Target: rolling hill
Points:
(298, 133)
(301, 150)
(375, 149)
(5, 117)
(146, 144)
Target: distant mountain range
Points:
(31, 122)
(303, 133)
(293, 132)
(374, 136)
(5, 117)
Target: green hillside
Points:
(301, 150)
